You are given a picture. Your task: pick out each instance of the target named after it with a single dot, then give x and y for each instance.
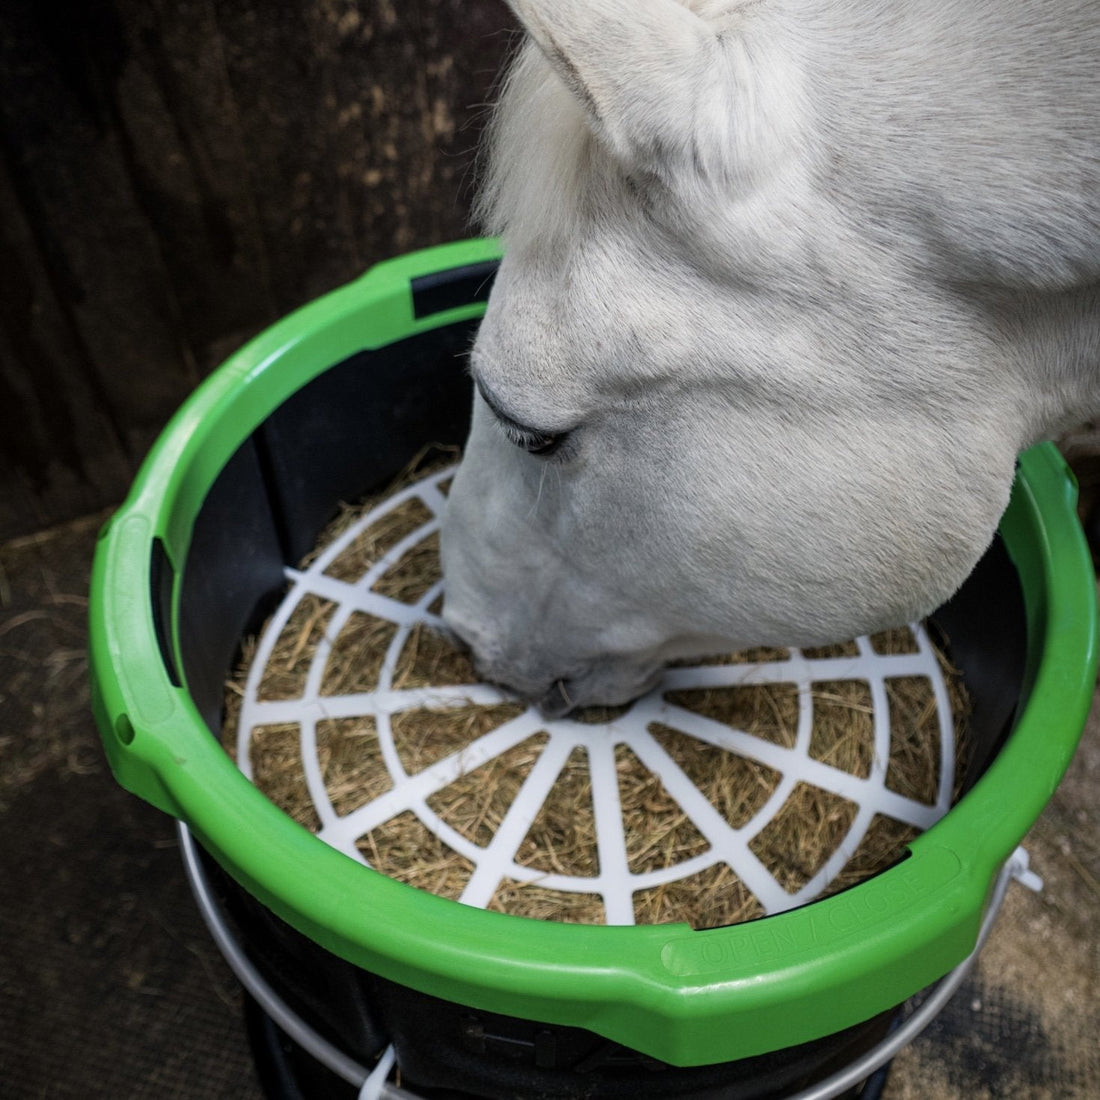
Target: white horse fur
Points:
(799, 278)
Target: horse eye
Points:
(529, 439)
(533, 442)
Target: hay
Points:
(561, 837)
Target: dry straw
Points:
(562, 837)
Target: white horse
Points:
(787, 286)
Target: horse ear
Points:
(651, 75)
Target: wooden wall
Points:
(177, 174)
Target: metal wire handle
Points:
(374, 1084)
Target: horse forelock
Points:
(538, 158)
(547, 178)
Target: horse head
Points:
(732, 386)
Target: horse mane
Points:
(537, 158)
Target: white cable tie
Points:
(374, 1087)
(1020, 866)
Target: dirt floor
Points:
(110, 986)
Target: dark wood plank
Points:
(61, 453)
(178, 176)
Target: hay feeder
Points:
(349, 971)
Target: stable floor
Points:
(110, 986)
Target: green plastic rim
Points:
(682, 996)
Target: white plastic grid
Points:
(615, 882)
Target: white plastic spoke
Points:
(311, 768)
(727, 844)
(433, 499)
(411, 791)
(614, 881)
(267, 712)
(833, 865)
(615, 884)
(818, 774)
(946, 722)
(497, 860)
(355, 597)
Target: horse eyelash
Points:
(540, 444)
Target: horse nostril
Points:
(556, 702)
